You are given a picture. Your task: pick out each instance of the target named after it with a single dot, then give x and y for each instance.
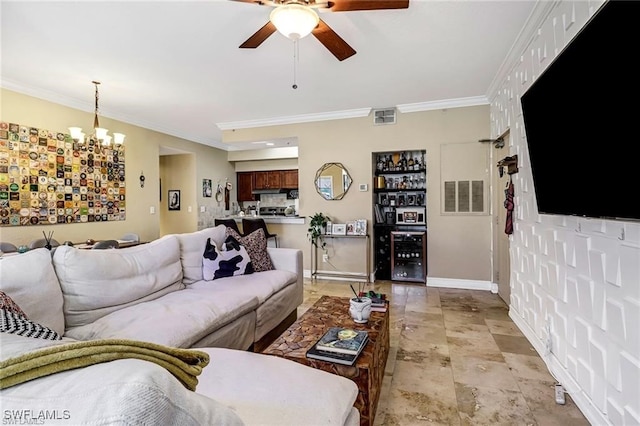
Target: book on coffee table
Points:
(379, 301)
(343, 340)
(338, 358)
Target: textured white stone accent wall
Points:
(575, 282)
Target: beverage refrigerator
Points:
(409, 256)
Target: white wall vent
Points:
(384, 116)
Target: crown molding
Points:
(353, 113)
(443, 104)
(295, 119)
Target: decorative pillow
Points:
(7, 304)
(232, 260)
(256, 245)
(14, 321)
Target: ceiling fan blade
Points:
(332, 41)
(259, 36)
(349, 5)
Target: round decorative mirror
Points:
(332, 181)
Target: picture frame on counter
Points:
(351, 228)
(339, 229)
(361, 227)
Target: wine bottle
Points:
(390, 165)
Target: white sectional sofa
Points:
(156, 293)
(103, 293)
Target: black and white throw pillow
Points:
(231, 260)
(14, 321)
(256, 245)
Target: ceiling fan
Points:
(304, 11)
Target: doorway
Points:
(177, 177)
(501, 242)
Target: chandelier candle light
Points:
(100, 134)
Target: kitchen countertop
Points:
(296, 220)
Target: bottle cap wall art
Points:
(48, 178)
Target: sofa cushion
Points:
(231, 259)
(31, 281)
(98, 282)
(268, 390)
(191, 247)
(261, 285)
(176, 319)
(256, 245)
(13, 323)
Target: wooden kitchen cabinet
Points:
(290, 179)
(245, 186)
(268, 180)
(272, 179)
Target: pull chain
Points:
(295, 63)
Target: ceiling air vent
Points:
(384, 116)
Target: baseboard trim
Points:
(462, 284)
(560, 373)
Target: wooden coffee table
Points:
(367, 372)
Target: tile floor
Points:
(456, 358)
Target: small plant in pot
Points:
(316, 231)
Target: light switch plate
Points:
(363, 187)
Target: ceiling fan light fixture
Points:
(294, 20)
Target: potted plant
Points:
(316, 231)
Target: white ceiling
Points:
(175, 66)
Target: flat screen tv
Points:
(582, 123)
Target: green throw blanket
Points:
(184, 364)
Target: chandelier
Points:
(294, 20)
(99, 134)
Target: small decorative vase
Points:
(360, 309)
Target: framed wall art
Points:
(207, 189)
(174, 199)
(48, 178)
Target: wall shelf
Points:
(365, 275)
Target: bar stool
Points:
(250, 225)
(229, 223)
(8, 247)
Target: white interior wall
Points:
(577, 276)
